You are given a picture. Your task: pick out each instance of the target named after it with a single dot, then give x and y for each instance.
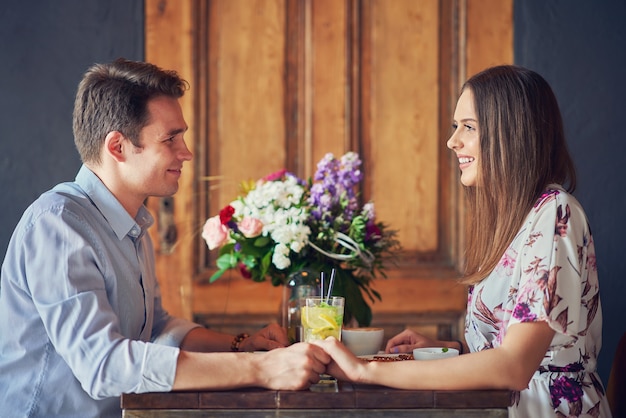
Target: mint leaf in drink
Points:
(444, 350)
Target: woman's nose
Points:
(453, 142)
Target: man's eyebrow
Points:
(177, 131)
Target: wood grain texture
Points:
(347, 396)
(279, 83)
(170, 45)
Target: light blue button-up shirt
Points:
(81, 320)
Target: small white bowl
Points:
(363, 341)
(431, 353)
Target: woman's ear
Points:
(114, 144)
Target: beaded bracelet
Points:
(234, 346)
(461, 347)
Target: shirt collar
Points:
(113, 211)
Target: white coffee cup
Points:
(363, 341)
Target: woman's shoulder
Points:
(556, 203)
(554, 196)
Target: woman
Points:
(534, 319)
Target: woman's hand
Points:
(407, 340)
(344, 365)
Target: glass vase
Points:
(301, 284)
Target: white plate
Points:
(431, 353)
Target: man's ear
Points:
(114, 144)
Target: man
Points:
(81, 320)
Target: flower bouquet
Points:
(281, 225)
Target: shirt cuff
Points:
(174, 332)
(159, 368)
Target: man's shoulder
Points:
(63, 194)
(64, 198)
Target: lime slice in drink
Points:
(330, 321)
(320, 322)
(327, 329)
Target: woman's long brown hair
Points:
(522, 150)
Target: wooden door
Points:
(279, 83)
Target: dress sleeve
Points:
(558, 272)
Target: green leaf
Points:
(266, 261)
(227, 249)
(261, 241)
(216, 275)
(249, 261)
(227, 261)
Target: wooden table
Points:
(331, 400)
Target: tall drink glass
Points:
(322, 317)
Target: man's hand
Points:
(289, 368)
(292, 368)
(271, 337)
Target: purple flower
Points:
(334, 190)
(233, 225)
(565, 388)
(572, 367)
(522, 312)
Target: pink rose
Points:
(214, 233)
(250, 227)
(277, 175)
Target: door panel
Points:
(279, 83)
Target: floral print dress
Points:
(548, 273)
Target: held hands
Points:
(292, 368)
(343, 365)
(289, 369)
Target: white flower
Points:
(275, 205)
(280, 258)
(239, 208)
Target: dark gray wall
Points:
(45, 47)
(579, 46)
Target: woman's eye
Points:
(454, 126)
(469, 127)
